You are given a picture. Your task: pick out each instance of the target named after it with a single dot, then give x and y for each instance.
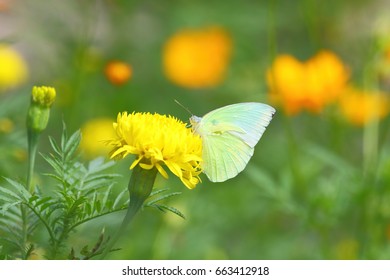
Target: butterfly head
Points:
(194, 120)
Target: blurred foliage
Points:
(317, 187)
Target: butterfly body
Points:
(229, 135)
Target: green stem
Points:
(140, 186)
(370, 147)
(32, 150)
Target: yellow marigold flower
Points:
(94, 133)
(197, 58)
(159, 140)
(118, 72)
(13, 68)
(309, 85)
(360, 107)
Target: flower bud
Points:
(42, 99)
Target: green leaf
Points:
(8, 195)
(173, 210)
(98, 165)
(4, 208)
(64, 136)
(72, 144)
(55, 146)
(155, 192)
(163, 197)
(118, 199)
(20, 188)
(42, 201)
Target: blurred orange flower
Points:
(13, 68)
(4, 5)
(94, 134)
(118, 72)
(360, 107)
(197, 58)
(309, 85)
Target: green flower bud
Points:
(42, 99)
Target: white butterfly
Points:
(229, 135)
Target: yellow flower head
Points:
(197, 58)
(310, 85)
(43, 96)
(13, 68)
(361, 107)
(118, 72)
(94, 134)
(159, 140)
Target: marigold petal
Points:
(162, 171)
(136, 161)
(158, 140)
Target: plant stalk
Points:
(140, 186)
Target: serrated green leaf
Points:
(106, 196)
(56, 177)
(55, 146)
(163, 197)
(56, 165)
(20, 188)
(88, 209)
(98, 206)
(42, 201)
(170, 209)
(9, 195)
(72, 144)
(64, 136)
(155, 192)
(118, 199)
(98, 165)
(6, 206)
(44, 206)
(33, 198)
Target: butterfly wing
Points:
(224, 156)
(229, 135)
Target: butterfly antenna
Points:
(185, 108)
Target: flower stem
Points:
(32, 150)
(140, 186)
(370, 147)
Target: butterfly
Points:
(229, 135)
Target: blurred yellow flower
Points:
(19, 154)
(6, 125)
(158, 140)
(347, 249)
(360, 107)
(309, 85)
(94, 133)
(118, 72)
(13, 68)
(197, 58)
